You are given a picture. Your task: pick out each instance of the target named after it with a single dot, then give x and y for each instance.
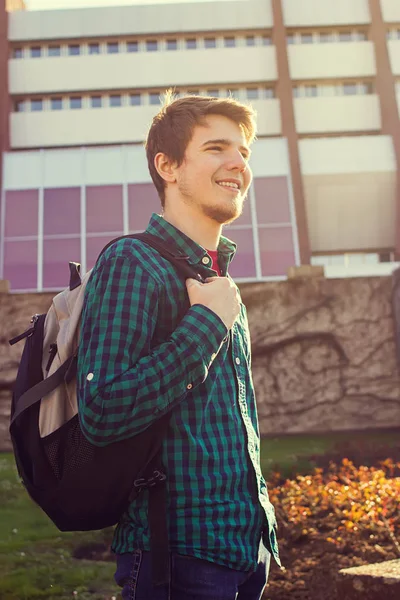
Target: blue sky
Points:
(55, 4)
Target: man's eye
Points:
(215, 148)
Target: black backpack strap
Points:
(179, 260)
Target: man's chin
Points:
(223, 215)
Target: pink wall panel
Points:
(56, 256)
(143, 201)
(22, 210)
(104, 210)
(276, 250)
(20, 264)
(62, 213)
(272, 200)
(94, 245)
(243, 265)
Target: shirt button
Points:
(90, 377)
(237, 360)
(205, 260)
(189, 387)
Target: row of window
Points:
(134, 99)
(320, 37)
(145, 45)
(393, 34)
(353, 258)
(352, 88)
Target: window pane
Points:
(359, 36)
(210, 43)
(276, 250)
(56, 256)
(243, 264)
(172, 44)
(213, 93)
(143, 202)
(268, 93)
(54, 51)
(365, 88)
(266, 40)
(21, 202)
(75, 102)
(229, 42)
(349, 89)
(20, 264)
(311, 90)
(132, 46)
(74, 50)
(96, 101)
(134, 99)
(94, 245)
(154, 98)
(307, 38)
(234, 93)
(36, 105)
(272, 200)
(17, 53)
(191, 44)
(116, 100)
(94, 48)
(345, 36)
(290, 38)
(104, 208)
(326, 38)
(19, 106)
(36, 52)
(193, 92)
(250, 40)
(112, 47)
(252, 93)
(56, 103)
(62, 211)
(151, 45)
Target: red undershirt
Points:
(215, 265)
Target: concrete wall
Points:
(324, 353)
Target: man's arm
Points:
(123, 384)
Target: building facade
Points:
(80, 87)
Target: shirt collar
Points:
(160, 227)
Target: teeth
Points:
(229, 184)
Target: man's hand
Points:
(219, 294)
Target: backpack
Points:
(81, 486)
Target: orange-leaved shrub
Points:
(342, 501)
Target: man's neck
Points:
(198, 228)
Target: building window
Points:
(359, 36)
(213, 93)
(233, 93)
(96, 101)
(132, 46)
(19, 106)
(172, 44)
(116, 100)
(17, 53)
(296, 92)
(193, 92)
(365, 88)
(36, 52)
(154, 97)
(229, 42)
(54, 51)
(250, 40)
(344, 36)
(307, 38)
(349, 89)
(290, 38)
(210, 43)
(326, 38)
(94, 48)
(112, 48)
(266, 40)
(74, 50)
(134, 100)
(191, 44)
(268, 92)
(37, 105)
(311, 91)
(56, 104)
(151, 45)
(75, 102)
(252, 93)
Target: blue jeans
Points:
(191, 579)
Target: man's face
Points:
(215, 176)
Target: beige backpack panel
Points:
(62, 323)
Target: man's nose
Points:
(238, 162)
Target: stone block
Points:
(306, 271)
(380, 581)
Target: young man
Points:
(151, 342)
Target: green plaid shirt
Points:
(150, 352)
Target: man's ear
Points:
(165, 167)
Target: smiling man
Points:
(184, 348)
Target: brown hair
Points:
(172, 128)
